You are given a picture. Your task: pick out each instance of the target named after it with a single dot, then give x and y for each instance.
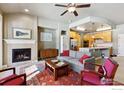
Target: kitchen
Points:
(95, 37)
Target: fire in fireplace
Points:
(22, 54)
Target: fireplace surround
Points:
(11, 44)
(19, 55)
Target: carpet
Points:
(45, 78)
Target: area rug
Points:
(45, 78)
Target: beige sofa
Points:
(75, 64)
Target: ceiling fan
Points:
(72, 8)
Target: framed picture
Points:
(20, 33)
(45, 36)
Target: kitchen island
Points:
(97, 51)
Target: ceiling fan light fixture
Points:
(71, 9)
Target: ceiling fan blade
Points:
(83, 6)
(75, 13)
(60, 5)
(64, 12)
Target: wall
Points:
(31, 22)
(77, 36)
(106, 36)
(91, 19)
(19, 20)
(118, 31)
(45, 23)
(115, 41)
(42, 22)
(46, 44)
(1, 44)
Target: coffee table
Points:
(56, 70)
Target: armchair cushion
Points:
(83, 58)
(6, 78)
(12, 79)
(91, 76)
(16, 81)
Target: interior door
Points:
(1, 48)
(121, 44)
(64, 43)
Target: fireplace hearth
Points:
(19, 55)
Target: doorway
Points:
(1, 44)
(75, 40)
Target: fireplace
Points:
(23, 54)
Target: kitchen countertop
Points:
(95, 48)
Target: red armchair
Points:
(108, 71)
(9, 77)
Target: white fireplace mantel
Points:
(17, 41)
(18, 44)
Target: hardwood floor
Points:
(119, 76)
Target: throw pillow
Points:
(65, 53)
(83, 58)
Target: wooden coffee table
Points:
(57, 71)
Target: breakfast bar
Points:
(97, 51)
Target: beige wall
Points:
(46, 44)
(106, 36)
(77, 36)
(45, 23)
(20, 21)
(1, 45)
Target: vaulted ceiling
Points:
(111, 11)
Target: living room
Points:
(31, 41)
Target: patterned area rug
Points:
(45, 78)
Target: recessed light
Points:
(26, 10)
(80, 28)
(93, 36)
(102, 29)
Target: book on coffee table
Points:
(60, 63)
(54, 60)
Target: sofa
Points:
(74, 63)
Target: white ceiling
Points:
(112, 11)
(91, 26)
